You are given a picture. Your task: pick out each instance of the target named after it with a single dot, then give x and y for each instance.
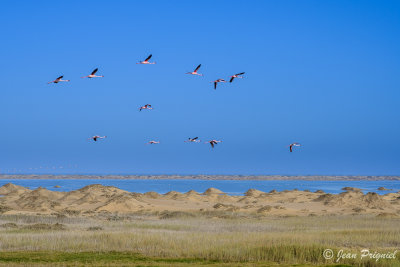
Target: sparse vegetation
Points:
(182, 239)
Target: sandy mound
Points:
(121, 203)
(40, 199)
(189, 196)
(192, 193)
(101, 189)
(374, 201)
(253, 193)
(393, 198)
(216, 195)
(88, 199)
(212, 191)
(354, 199)
(354, 189)
(264, 209)
(152, 194)
(43, 192)
(13, 189)
(384, 189)
(93, 199)
(222, 198)
(91, 195)
(172, 193)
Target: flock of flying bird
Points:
(148, 106)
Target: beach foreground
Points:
(99, 225)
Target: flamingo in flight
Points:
(195, 140)
(292, 145)
(93, 74)
(59, 79)
(239, 75)
(213, 142)
(153, 142)
(147, 106)
(195, 71)
(218, 81)
(146, 61)
(94, 138)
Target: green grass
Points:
(41, 258)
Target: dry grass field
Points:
(217, 238)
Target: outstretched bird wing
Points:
(59, 78)
(195, 138)
(240, 73)
(212, 144)
(93, 72)
(148, 57)
(215, 85)
(231, 79)
(198, 67)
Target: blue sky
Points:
(322, 73)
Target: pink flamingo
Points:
(218, 81)
(195, 140)
(146, 61)
(195, 71)
(239, 75)
(59, 79)
(153, 142)
(94, 138)
(213, 142)
(93, 74)
(292, 145)
(147, 106)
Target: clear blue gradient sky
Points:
(322, 73)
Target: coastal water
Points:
(233, 187)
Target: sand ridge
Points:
(96, 198)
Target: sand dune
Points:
(123, 203)
(212, 191)
(253, 193)
(94, 199)
(13, 189)
(355, 199)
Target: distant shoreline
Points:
(206, 177)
